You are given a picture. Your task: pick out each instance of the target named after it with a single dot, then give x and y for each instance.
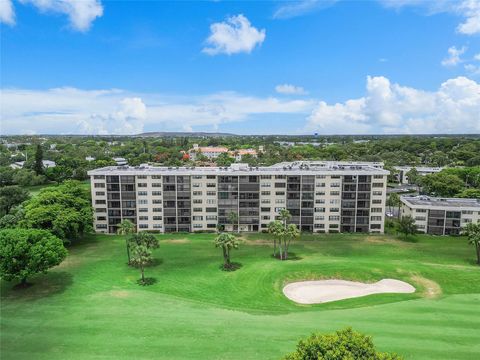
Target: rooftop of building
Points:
(287, 168)
(420, 168)
(422, 200)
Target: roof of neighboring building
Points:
(423, 200)
(331, 168)
(204, 149)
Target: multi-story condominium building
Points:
(212, 152)
(440, 216)
(320, 196)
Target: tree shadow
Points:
(291, 257)
(148, 281)
(39, 286)
(233, 266)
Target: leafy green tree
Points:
(413, 176)
(141, 256)
(126, 227)
(226, 242)
(407, 226)
(345, 344)
(224, 160)
(469, 193)
(442, 184)
(38, 166)
(59, 173)
(25, 252)
(64, 210)
(394, 201)
(11, 196)
(472, 231)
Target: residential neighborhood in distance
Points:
(241, 180)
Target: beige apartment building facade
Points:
(441, 216)
(320, 196)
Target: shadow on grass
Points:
(148, 281)
(39, 286)
(233, 266)
(291, 257)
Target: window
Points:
(197, 226)
(320, 184)
(320, 177)
(142, 201)
(376, 201)
(197, 218)
(377, 185)
(335, 185)
(157, 226)
(279, 201)
(265, 193)
(101, 226)
(156, 177)
(197, 193)
(99, 185)
(157, 218)
(209, 209)
(143, 226)
(156, 201)
(142, 210)
(377, 193)
(376, 218)
(317, 209)
(142, 193)
(467, 212)
(157, 185)
(98, 177)
(141, 176)
(101, 218)
(420, 218)
(280, 185)
(334, 193)
(143, 218)
(211, 193)
(142, 184)
(265, 209)
(211, 217)
(421, 210)
(376, 226)
(376, 210)
(196, 177)
(280, 193)
(197, 201)
(334, 209)
(265, 176)
(100, 210)
(157, 209)
(334, 218)
(378, 176)
(156, 193)
(319, 226)
(280, 177)
(100, 193)
(100, 202)
(211, 201)
(319, 217)
(263, 185)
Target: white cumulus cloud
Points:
(235, 35)
(290, 89)
(454, 56)
(392, 108)
(81, 13)
(7, 14)
(292, 9)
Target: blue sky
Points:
(269, 67)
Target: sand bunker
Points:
(322, 291)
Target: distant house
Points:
(212, 152)
(46, 164)
(120, 161)
(89, 158)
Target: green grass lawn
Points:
(90, 307)
(35, 189)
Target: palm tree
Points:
(126, 227)
(292, 232)
(233, 219)
(473, 232)
(285, 216)
(141, 257)
(277, 230)
(227, 242)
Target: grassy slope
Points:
(34, 190)
(91, 306)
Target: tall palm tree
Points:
(284, 216)
(227, 242)
(291, 232)
(126, 227)
(473, 232)
(233, 219)
(277, 230)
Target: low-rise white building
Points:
(46, 164)
(402, 176)
(441, 216)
